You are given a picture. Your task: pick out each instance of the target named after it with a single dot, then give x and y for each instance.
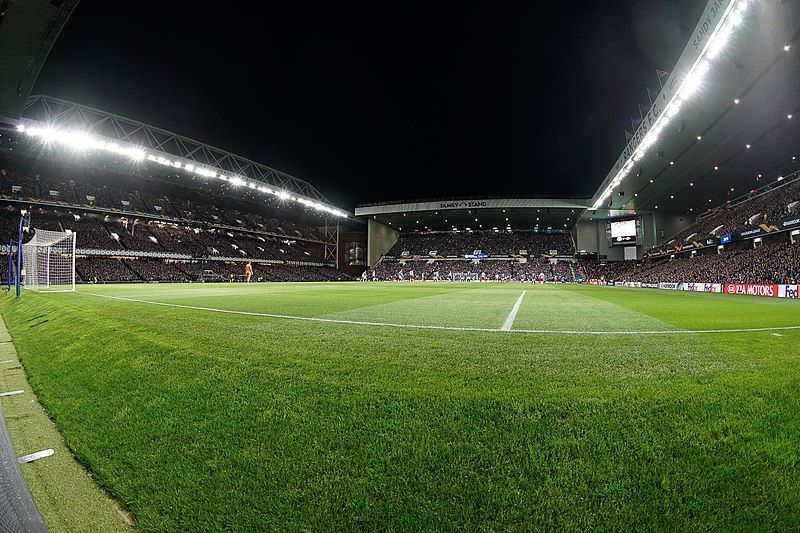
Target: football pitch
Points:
(424, 406)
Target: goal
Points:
(48, 261)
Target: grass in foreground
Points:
(201, 421)
(65, 495)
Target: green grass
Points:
(199, 420)
(65, 495)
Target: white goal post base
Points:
(48, 261)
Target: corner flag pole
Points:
(19, 251)
(8, 281)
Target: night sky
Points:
(384, 101)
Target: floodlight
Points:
(694, 78)
(48, 134)
(78, 141)
(673, 109)
(720, 41)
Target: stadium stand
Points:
(469, 270)
(774, 259)
(133, 229)
(490, 243)
(461, 265)
(768, 203)
(777, 262)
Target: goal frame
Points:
(38, 256)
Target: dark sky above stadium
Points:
(384, 101)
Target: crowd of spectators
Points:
(94, 269)
(471, 270)
(772, 263)
(158, 219)
(493, 243)
(97, 231)
(762, 206)
(22, 179)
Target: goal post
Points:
(48, 261)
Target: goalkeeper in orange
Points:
(248, 271)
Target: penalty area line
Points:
(513, 314)
(440, 328)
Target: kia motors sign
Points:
(752, 289)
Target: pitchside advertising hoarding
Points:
(751, 289)
(774, 291)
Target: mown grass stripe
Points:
(443, 328)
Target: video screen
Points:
(624, 231)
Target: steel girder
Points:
(69, 115)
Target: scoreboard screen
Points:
(624, 231)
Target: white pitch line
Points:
(513, 314)
(442, 328)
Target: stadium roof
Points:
(733, 127)
(726, 121)
(30, 28)
(477, 214)
(85, 128)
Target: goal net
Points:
(48, 261)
